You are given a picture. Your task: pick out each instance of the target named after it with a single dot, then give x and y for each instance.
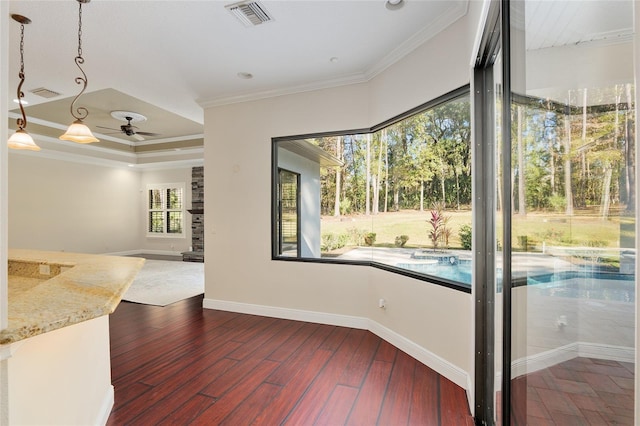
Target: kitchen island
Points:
(55, 350)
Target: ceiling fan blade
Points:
(109, 128)
(136, 136)
(148, 133)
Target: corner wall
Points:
(432, 323)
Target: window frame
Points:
(279, 221)
(165, 210)
(440, 100)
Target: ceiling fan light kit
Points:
(78, 132)
(21, 139)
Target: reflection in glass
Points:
(573, 212)
(288, 196)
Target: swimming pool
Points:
(583, 284)
(459, 272)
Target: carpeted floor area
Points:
(163, 282)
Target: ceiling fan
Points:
(129, 129)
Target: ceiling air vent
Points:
(45, 93)
(250, 13)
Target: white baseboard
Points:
(456, 374)
(143, 251)
(287, 313)
(107, 406)
(546, 359)
(428, 358)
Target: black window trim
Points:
(447, 97)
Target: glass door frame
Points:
(484, 243)
(495, 41)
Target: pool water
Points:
(583, 284)
(459, 272)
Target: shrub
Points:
(596, 243)
(370, 238)
(439, 231)
(333, 241)
(522, 241)
(401, 240)
(356, 236)
(465, 236)
(558, 203)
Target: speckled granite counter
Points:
(74, 288)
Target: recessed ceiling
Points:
(167, 59)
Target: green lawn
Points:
(585, 228)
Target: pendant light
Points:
(21, 139)
(78, 131)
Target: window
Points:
(288, 201)
(397, 196)
(165, 210)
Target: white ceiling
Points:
(180, 56)
(561, 23)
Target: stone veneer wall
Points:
(197, 206)
(196, 254)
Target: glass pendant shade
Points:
(78, 132)
(22, 140)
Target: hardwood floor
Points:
(181, 364)
(581, 391)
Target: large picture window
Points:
(397, 196)
(165, 215)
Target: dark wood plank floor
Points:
(581, 391)
(181, 364)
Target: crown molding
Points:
(441, 23)
(53, 125)
(53, 149)
(126, 142)
(397, 54)
(254, 96)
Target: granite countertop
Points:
(79, 287)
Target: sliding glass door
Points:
(570, 188)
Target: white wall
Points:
(438, 66)
(309, 171)
(62, 377)
(66, 206)
(86, 208)
(436, 323)
(4, 84)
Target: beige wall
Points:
(239, 272)
(67, 206)
(4, 84)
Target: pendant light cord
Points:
(80, 31)
(81, 112)
(21, 122)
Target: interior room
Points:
(452, 183)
